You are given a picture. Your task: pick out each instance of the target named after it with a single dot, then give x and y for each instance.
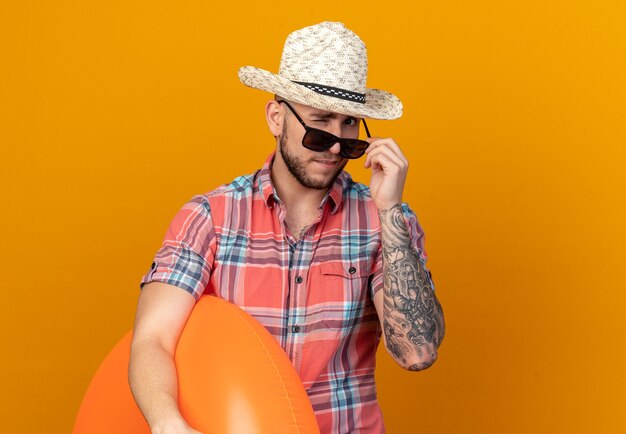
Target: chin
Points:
(323, 182)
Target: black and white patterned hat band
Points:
(335, 91)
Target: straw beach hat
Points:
(325, 66)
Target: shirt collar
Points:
(335, 193)
(265, 182)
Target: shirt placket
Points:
(298, 279)
(300, 256)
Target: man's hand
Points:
(389, 169)
(177, 426)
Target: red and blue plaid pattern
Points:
(314, 295)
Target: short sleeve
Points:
(185, 258)
(417, 242)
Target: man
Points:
(302, 247)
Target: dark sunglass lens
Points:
(318, 140)
(353, 148)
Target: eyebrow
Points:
(328, 115)
(323, 114)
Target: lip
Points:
(327, 162)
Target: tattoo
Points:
(397, 347)
(418, 366)
(304, 231)
(413, 318)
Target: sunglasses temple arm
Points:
(366, 129)
(294, 112)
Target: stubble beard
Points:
(297, 169)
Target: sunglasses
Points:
(320, 140)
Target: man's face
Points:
(317, 170)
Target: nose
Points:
(335, 148)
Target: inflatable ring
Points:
(234, 378)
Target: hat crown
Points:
(327, 53)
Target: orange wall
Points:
(114, 113)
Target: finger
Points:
(374, 142)
(384, 162)
(382, 150)
(396, 148)
(391, 144)
(369, 155)
(401, 164)
(387, 142)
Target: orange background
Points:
(114, 113)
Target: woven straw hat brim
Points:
(378, 103)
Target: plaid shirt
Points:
(313, 295)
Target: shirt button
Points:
(295, 329)
(352, 270)
(299, 279)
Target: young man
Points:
(302, 247)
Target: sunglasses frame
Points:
(345, 144)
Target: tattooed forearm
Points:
(413, 318)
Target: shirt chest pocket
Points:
(345, 293)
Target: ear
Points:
(275, 117)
